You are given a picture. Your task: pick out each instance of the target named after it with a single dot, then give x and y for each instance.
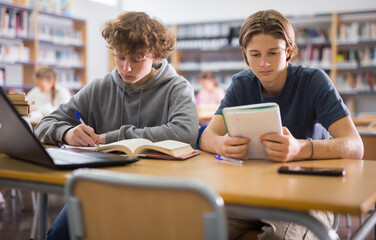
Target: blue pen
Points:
(82, 121)
(79, 117)
(219, 157)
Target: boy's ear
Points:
(288, 54)
(245, 56)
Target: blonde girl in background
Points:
(47, 95)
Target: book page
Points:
(78, 147)
(127, 146)
(170, 144)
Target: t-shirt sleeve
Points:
(228, 100)
(327, 103)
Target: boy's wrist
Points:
(102, 138)
(312, 146)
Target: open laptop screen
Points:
(16, 138)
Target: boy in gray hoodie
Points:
(143, 97)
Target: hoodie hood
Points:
(137, 102)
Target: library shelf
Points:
(31, 37)
(343, 44)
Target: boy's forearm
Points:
(338, 148)
(209, 142)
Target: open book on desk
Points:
(168, 149)
(252, 121)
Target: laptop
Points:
(18, 141)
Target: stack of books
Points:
(19, 102)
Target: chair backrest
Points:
(108, 205)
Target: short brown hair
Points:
(136, 34)
(45, 72)
(206, 75)
(269, 22)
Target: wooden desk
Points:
(251, 186)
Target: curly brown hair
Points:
(136, 34)
(269, 22)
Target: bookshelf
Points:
(314, 40)
(342, 44)
(356, 59)
(210, 46)
(30, 38)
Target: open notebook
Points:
(18, 141)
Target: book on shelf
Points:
(22, 102)
(356, 31)
(16, 96)
(2, 76)
(371, 80)
(16, 22)
(18, 100)
(167, 149)
(22, 3)
(22, 109)
(252, 121)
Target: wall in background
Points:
(95, 14)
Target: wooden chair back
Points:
(105, 205)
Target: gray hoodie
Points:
(161, 109)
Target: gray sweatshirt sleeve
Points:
(51, 129)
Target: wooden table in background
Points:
(364, 120)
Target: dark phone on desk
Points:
(312, 170)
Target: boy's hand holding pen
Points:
(88, 129)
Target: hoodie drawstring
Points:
(139, 108)
(122, 106)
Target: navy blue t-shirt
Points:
(309, 102)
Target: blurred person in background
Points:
(46, 94)
(209, 97)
